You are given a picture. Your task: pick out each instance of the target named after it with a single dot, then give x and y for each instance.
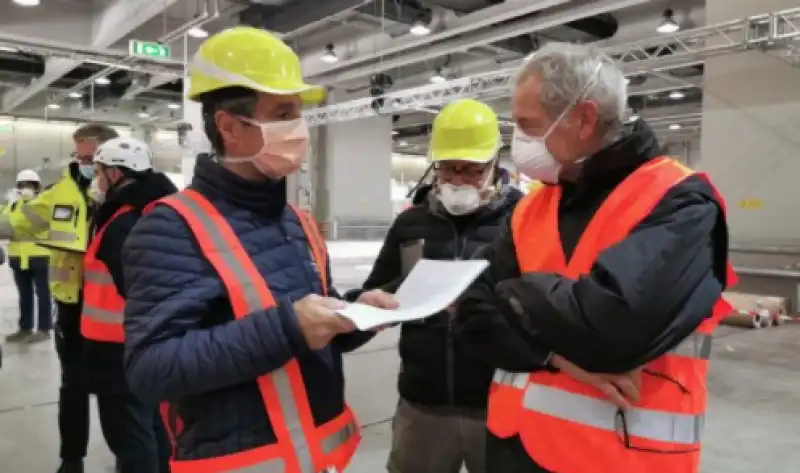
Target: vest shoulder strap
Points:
(316, 243)
(247, 289)
(102, 230)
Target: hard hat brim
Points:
(468, 155)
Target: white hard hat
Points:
(28, 175)
(127, 153)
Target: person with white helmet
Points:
(29, 262)
(440, 420)
(61, 214)
(231, 313)
(124, 185)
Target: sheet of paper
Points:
(430, 287)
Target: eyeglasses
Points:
(468, 171)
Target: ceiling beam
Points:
(113, 24)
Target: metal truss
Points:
(772, 33)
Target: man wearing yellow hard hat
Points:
(440, 421)
(230, 314)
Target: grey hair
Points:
(567, 71)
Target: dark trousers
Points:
(29, 281)
(509, 455)
(73, 399)
(134, 433)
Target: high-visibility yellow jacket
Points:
(62, 212)
(24, 247)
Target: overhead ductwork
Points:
(291, 18)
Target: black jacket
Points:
(437, 369)
(105, 360)
(641, 298)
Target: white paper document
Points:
(430, 287)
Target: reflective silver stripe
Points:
(279, 377)
(338, 438)
(97, 277)
(38, 224)
(105, 316)
(57, 274)
(58, 235)
(276, 465)
(644, 423)
(697, 345)
(515, 380)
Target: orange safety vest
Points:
(569, 427)
(103, 308)
(301, 446)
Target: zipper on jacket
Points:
(450, 349)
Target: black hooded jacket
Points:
(437, 369)
(105, 360)
(642, 296)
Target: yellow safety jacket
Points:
(62, 211)
(24, 246)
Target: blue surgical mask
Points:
(86, 170)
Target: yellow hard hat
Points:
(249, 57)
(465, 130)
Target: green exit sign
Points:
(148, 49)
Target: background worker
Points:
(440, 420)
(64, 211)
(28, 262)
(615, 265)
(230, 311)
(124, 184)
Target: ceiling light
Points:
(174, 106)
(668, 24)
(8, 49)
(198, 33)
(627, 80)
(27, 3)
(438, 77)
(419, 28)
(395, 132)
(53, 106)
(329, 56)
(75, 95)
(676, 94)
(143, 114)
(402, 143)
(633, 118)
(102, 81)
(674, 126)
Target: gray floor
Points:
(755, 394)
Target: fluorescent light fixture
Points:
(102, 81)
(676, 94)
(329, 56)
(197, 33)
(402, 143)
(627, 80)
(143, 115)
(27, 3)
(174, 106)
(633, 118)
(53, 106)
(419, 28)
(8, 49)
(75, 95)
(668, 24)
(395, 132)
(674, 126)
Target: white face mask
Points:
(532, 158)
(27, 193)
(530, 153)
(464, 199)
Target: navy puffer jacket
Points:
(183, 344)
